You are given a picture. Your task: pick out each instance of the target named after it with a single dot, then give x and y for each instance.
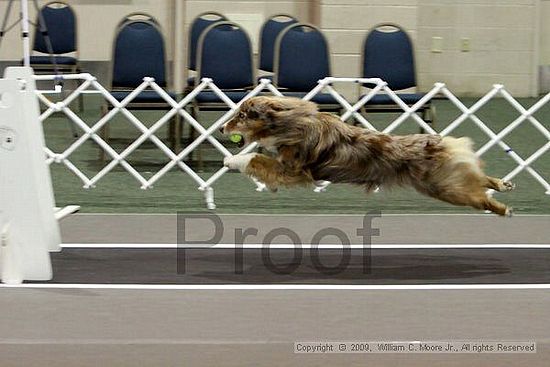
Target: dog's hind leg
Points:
(476, 199)
(497, 207)
(498, 184)
(465, 184)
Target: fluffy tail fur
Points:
(461, 150)
(460, 180)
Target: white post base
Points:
(209, 198)
(10, 260)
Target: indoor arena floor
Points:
(113, 301)
(119, 296)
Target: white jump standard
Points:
(28, 224)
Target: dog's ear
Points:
(296, 105)
(283, 108)
(277, 110)
(253, 114)
(258, 108)
(252, 109)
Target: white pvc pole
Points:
(265, 84)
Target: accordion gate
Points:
(89, 84)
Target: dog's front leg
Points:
(239, 161)
(266, 169)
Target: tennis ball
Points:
(235, 138)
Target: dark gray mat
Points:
(218, 266)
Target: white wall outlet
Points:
(437, 44)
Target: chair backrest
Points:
(301, 57)
(388, 54)
(268, 35)
(224, 54)
(199, 24)
(138, 52)
(60, 22)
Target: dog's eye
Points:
(242, 115)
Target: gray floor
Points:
(92, 327)
(398, 229)
(258, 328)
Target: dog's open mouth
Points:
(237, 139)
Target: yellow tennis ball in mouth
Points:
(236, 138)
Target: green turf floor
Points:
(119, 192)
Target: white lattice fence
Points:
(90, 85)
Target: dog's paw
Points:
(509, 212)
(273, 188)
(239, 161)
(508, 186)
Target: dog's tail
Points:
(461, 150)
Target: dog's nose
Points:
(221, 130)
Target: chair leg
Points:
(432, 113)
(174, 134)
(72, 126)
(178, 134)
(200, 163)
(171, 131)
(192, 132)
(428, 115)
(200, 166)
(80, 96)
(104, 133)
(363, 112)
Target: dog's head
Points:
(259, 118)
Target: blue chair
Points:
(388, 54)
(139, 52)
(224, 54)
(199, 24)
(302, 58)
(60, 23)
(268, 35)
(60, 54)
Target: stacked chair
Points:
(302, 58)
(271, 29)
(199, 24)
(139, 52)
(58, 51)
(388, 54)
(294, 55)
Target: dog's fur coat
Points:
(308, 146)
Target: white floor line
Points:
(304, 246)
(285, 287)
(135, 341)
(324, 215)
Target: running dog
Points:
(308, 146)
